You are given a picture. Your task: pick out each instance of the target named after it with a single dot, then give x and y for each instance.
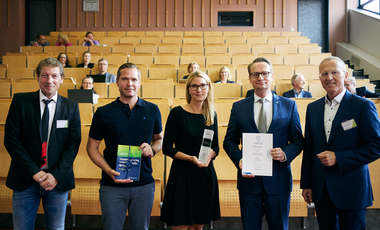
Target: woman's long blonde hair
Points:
(207, 106)
(64, 38)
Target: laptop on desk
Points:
(98, 78)
(80, 95)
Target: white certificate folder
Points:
(257, 159)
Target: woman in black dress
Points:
(191, 196)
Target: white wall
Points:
(364, 42)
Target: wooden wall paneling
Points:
(86, 21)
(148, 13)
(113, 14)
(95, 13)
(211, 13)
(121, 13)
(274, 13)
(68, 13)
(157, 14)
(184, 13)
(166, 13)
(104, 13)
(175, 13)
(220, 2)
(77, 13)
(257, 2)
(139, 13)
(229, 2)
(9, 14)
(203, 10)
(283, 13)
(193, 13)
(130, 13)
(265, 13)
(238, 2)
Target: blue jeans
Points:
(25, 206)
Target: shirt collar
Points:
(43, 97)
(297, 93)
(120, 103)
(268, 97)
(338, 98)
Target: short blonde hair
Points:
(228, 71)
(64, 38)
(190, 64)
(207, 106)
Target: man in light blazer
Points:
(342, 137)
(103, 67)
(32, 176)
(284, 123)
(298, 83)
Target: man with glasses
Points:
(298, 83)
(103, 67)
(40, 41)
(265, 195)
(342, 137)
(350, 85)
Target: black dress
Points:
(191, 195)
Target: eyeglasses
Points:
(195, 87)
(255, 75)
(334, 73)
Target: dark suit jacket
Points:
(364, 92)
(348, 181)
(252, 91)
(287, 134)
(23, 142)
(90, 65)
(290, 94)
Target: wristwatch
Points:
(154, 151)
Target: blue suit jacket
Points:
(364, 92)
(23, 142)
(348, 182)
(290, 94)
(287, 134)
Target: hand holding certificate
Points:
(257, 158)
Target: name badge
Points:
(61, 124)
(347, 125)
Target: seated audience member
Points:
(86, 61)
(224, 76)
(40, 41)
(89, 40)
(103, 67)
(350, 85)
(192, 67)
(64, 59)
(62, 40)
(298, 83)
(252, 91)
(88, 83)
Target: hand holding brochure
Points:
(206, 145)
(128, 162)
(257, 158)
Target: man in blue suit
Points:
(269, 195)
(42, 156)
(350, 84)
(298, 83)
(342, 137)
